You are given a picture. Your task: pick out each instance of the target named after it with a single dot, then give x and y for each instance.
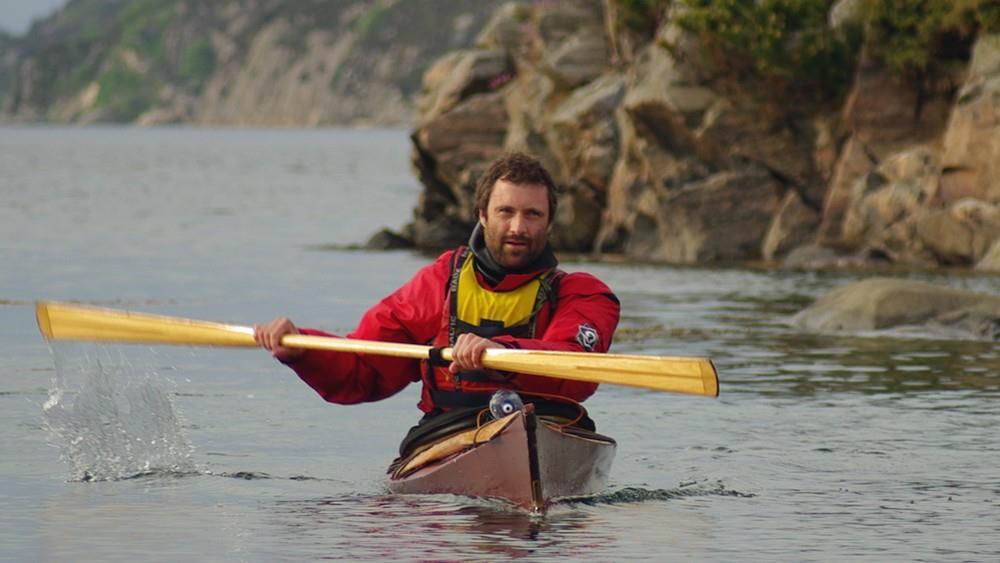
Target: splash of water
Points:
(111, 419)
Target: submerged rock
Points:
(817, 257)
(880, 303)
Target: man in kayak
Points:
(503, 290)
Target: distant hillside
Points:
(241, 62)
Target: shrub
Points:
(916, 38)
(787, 41)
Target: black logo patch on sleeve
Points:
(587, 336)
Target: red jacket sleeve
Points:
(585, 318)
(411, 315)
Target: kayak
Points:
(525, 454)
(528, 460)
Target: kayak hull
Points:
(530, 462)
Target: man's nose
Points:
(518, 224)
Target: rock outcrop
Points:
(971, 154)
(653, 162)
(882, 303)
(896, 193)
(657, 161)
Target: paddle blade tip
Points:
(710, 378)
(42, 316)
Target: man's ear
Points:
(482, 218)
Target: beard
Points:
(511, 251)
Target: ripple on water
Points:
(630, 495)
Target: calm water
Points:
(872, 447)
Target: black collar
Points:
(493, 272)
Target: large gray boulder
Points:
(881, 303)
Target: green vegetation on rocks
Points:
(916, 37)
(128, 86)
(124, 92)
(789, 41)
(87, 20)
(117, 44)
(142, 28)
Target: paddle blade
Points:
(66, 321)
(695, 376)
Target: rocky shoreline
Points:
(658, 162)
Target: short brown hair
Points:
(516, 168)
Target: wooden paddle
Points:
(66, 321)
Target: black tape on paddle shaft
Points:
(435, 359)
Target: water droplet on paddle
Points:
(505, 402)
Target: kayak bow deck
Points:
(523, 458)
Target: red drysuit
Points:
(585, 317)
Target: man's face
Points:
(516, 223)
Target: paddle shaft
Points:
(65, 321)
